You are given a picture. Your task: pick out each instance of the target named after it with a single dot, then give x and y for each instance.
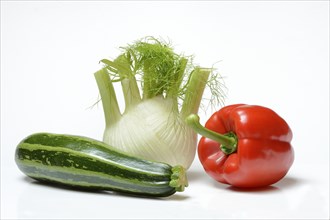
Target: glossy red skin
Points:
(264, 153)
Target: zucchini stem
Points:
(108, 96)
(179, 178)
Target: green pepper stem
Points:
(228, 141)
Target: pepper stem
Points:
(228, 141)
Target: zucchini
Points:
(86, 163)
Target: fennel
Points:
(152, 126)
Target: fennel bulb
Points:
(152, 131)
(152, 125)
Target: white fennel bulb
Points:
(152, 125)
(152, 131)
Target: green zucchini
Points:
(86, 163)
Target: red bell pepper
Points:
(244, 145)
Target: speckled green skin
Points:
(87, 163)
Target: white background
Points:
(274, 54)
